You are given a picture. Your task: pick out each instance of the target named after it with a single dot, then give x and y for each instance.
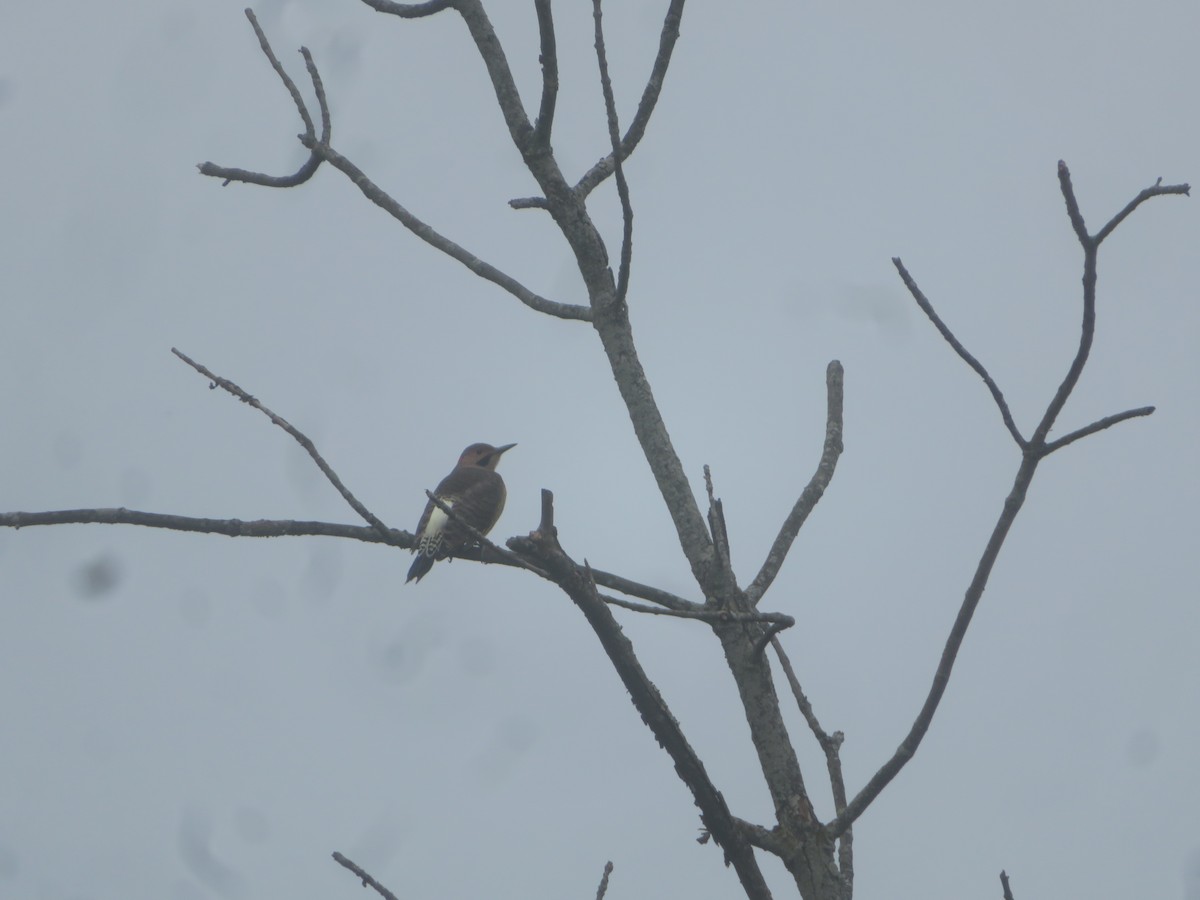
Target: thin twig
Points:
(603, 889)
(367, 880)
(614, 135)
(650, 95)
(769, 635)
(549, 60)
(779, 621)
(927, 308)
(813, 491)
(716, 521)
(301, 107)
(831, 745)
(1098, 425)
(643, 591)
(1155, 190)
(322, 100)
(301, 439)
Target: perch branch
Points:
(409, 10)
(813, 491)
(301, 439)
(513, 559)
(577, 583)
(263, 528)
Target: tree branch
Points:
(831, 747)
(549, 60)
(513, 559)
(603, 888)
(578, 584)
(1099, 425)
(927, 308)
(430, 236)
(614, 135)
(716, 522)
(813, 491)
(941, 677)
(263, 528)
(409, 10)
(301, 439)
(643, 591)
(364, 877)
(492, 54)
(1158, 189)
(1034, 450)
(778, 621)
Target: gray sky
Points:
(227, 713)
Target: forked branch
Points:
(306, 171)
(1035, 450)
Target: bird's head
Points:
(483, 455)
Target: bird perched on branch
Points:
(475, 493)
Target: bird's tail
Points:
(420, 567)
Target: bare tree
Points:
(818, 854)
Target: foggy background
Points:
(188, 716)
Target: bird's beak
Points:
(500, 450)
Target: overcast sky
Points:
(188, 716)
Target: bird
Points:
(476, 494)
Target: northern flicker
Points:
(476, 494)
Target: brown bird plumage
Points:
(476, 494)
